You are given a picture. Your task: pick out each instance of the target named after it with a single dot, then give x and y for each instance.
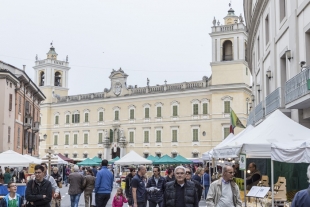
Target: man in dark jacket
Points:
(302, 198)
(188, 176)
(103, 185)
(180, 193)
(128, 185)
(39, 191)
(156, 188)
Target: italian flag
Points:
(234, 121)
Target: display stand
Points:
(258, 192)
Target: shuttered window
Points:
(175, 111)
(174, 135)
(195, 109)
(67, 139)
(146, 137)
(75, 139)
(158, 111)
(132, 113)
(158, 136)
(131, 137)
(195, 135)
(227, 107)
(100, 138)
(147, 113)
(204, 108)
(101, 116)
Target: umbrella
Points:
(88, 162)
(166, 160)
(183, 160)
(96, 159)
(113, 160)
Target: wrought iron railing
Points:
(274, 101)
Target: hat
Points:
(76, 168)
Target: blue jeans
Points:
(206, 190)
(75, 200)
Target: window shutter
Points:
(158, 136)
(75, 139)
(131, 137)
(86, 117)
(11, 102)
(67, 119)
(147, 113)
(226, 132)
(146, 136)
(67, 139)
(195, 109)
(55, 140)
(73, 121)
(205, 108)
(226, 107)
(159, 111)
(100, 138)
(195, 135)
(175, 111)
(78, 118)
(100, 116)
(85, 138)
(132, 113)
(174, 136)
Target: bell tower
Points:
(229, 42)
(51, 75)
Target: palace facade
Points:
(186, 118)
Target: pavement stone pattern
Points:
(65, 202)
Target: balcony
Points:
(259, 111)
(297, 93)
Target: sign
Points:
(31, 168)
(258, 192)
(242, 162)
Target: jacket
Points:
(128, 185)
(119, 202)
(35, 192)
(302, 198)
(253, 179)
(190, 194)
(53, 183)
(158, 195)
(4, 202)
(198, 187)
(168, 179)
(104, 181)
(7, 178)
(76, 181)
(89, 184)
(57, 177)
(215, 192)
(206, 179)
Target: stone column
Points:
(122, 144)
(106, 144)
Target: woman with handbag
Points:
(57, 177)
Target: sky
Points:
(156, 39)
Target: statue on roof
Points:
(36, 56)
(241, 18)
(148, 81)
(214, 22)
(67, 58)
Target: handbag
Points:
(59, 184)
(93, 201)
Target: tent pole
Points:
(272, 184)
(244, 187)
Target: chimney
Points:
(24, 67)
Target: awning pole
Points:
(272, 184)
(244, 187)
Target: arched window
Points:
(227, 51)
(57, 79)
(42, 78)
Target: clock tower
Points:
(51, 75)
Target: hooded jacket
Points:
(5, 201)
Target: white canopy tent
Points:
(208, 155)
(291, 152)
(256, 143)
(132, 158)
(35, 160)
(14, 159)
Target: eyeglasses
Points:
(38, 172)
(188, 173)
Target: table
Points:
(21, 189)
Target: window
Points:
(75, 138)
(195, 155)
(74, 155)
(158, 154)
(28, 107)
(226, 132)
(226, 107)
(20, 104)
(86, 117)
(67, 119)
(67, 139)
(158, 111)
(42, 78)
(9, 134)
(146, 113)
(56, 120)
(85, 138)
(85, 155)
(158, 136)
(174, 135)
(100, 155)
(100, 138)
(195, 109)
(175, 111)
(76, 118)
(267, 28)
(195, 135)
(111, 135)
(131, 137)
(146, 155)
(258, 50)
(66, 154)
(282, 6)
(227, 51)
(116, 115)
(146, 137)
(101, 116)
(55, 139)
(132, 114)
(10, 102)
(18, 137)
(205, 108)
(173, 154)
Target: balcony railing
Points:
(259, 111)
(297, 86)
(251, 118)
(274, 101)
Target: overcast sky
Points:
(156, 39)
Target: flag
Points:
(234, 121)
